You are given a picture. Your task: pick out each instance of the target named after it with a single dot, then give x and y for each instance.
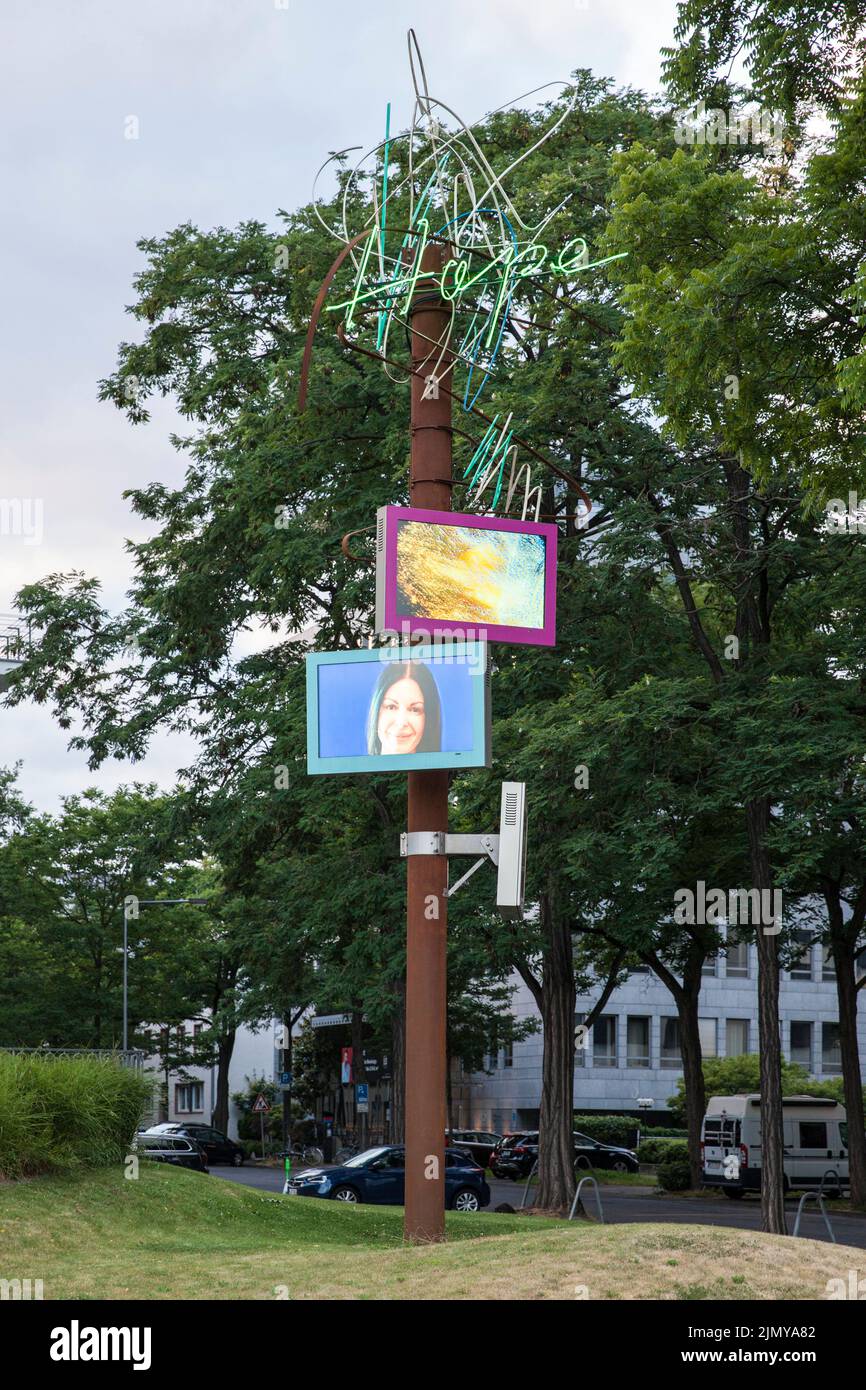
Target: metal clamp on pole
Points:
(435, 842)
(422, 842)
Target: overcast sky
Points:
(237, 104)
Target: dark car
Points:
(501, 1158)
(477, 1142)
(218, 1147)
(518, 1159)
(178, 1149)
(378, 1176)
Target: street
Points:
(629, 1204)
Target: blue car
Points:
(378, 1175)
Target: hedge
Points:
(662, 1150)
(608, 1129)
(620, 1129)
(60, 1113)
(675, 1177)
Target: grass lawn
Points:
(605, 1177)
(174, 1234)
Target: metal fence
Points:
(132, 1058)
(14, 637)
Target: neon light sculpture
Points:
(455, 198)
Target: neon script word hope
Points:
(510, 265)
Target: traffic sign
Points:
(286, 1080)
(362, 1093)
(262, 1105)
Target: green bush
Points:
(608, 1129)
(59, 1113)
(675, 1177)
(662, 1150)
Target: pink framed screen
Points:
(454, 574)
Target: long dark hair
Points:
(395, 671)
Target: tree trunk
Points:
(398, 1063)
(686, 995)
(846, 990)
(556, 1118)
(693, 1072)
(225, 1048)
(770, 1044)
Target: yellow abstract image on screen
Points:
(470, 575)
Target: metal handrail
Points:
(819, 1198)
(588, 1178)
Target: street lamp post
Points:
(142, 902)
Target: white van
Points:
(815, 1135)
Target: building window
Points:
(828, 965)
(604, 1041)
(737, 959)
(579, 1051)
(197, 1028)
(671, 1055)
(801, 968)
(737, 1037)
(189, 1097)
(709, 966)
(638, 1042)
(831, 1049)
(707, 1031)
(801, 1043)
(508, 1054)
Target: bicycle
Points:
(307, 1154)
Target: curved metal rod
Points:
(597, 1198)
(316, 315)
(530, 1175)
(815, 1197)
(344, 546)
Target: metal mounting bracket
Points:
(437, 842)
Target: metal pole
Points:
(125, 973)
(427, 913)
(143, 902)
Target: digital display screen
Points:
(470, 576)
(398, 708)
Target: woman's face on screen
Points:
(401, 717)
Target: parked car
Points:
(501, 1158)
(518, 1158)
(477, 1142)
(378, 1176)
(218, 1147)
(815, 1135)
(178, 1149)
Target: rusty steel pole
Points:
(427, 875)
